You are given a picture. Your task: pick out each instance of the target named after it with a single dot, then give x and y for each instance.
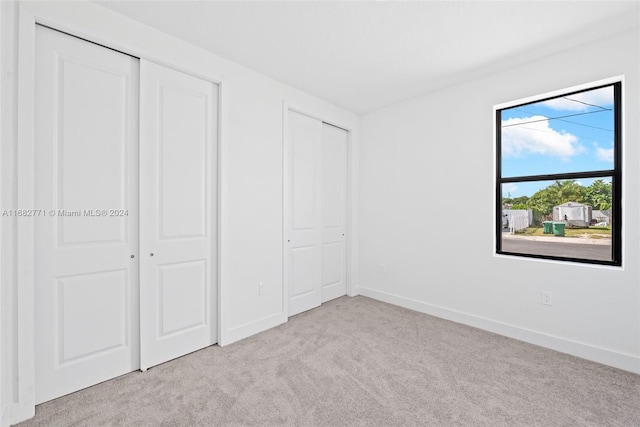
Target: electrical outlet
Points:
(546, 298)
(383, 268)
(261, 289)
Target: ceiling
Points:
(364, 55)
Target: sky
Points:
(572, 133)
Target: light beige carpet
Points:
(357, 361)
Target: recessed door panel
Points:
(303, 260)
(92, 314)
(178, 193)
(86, 284)
(182, 297)
(90, 114)
(332, 265)
(182, 157)
(334, 150)
(304, 137)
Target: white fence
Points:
(518, 220)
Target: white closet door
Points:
(334, 211)
(86, 283)
(315, 220)
(304, 216)
(178, 274)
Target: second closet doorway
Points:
(315, 212)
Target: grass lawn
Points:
(591, 232)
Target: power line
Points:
(569, 121)
(585, 103)
(555, 118)
(589, 126)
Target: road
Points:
(560, 248)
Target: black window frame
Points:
(615, 174)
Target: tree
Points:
(599, 195)
(567, 191)
(522, 200)
(543, 201)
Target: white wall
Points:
(422, 159)
(251, 193)
(252, 196)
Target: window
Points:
(559, 177)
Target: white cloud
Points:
(604, 154)
(535, 136)
(602, 97)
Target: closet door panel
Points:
(304, 216)
(334, 211)
(178, 149)
(86, 283)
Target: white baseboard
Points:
(246, 330)
(618, 360)
(4, 417)
(14, 413)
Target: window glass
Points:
(572, 133)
